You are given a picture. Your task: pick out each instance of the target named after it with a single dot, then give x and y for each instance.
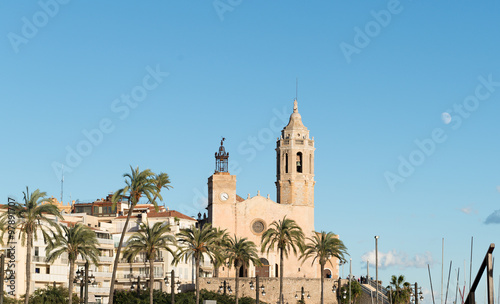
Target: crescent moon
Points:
(446, 118)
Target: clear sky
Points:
(98, 87)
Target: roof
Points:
(169, 213)
(239, 199)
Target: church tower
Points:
(295, 163)
(222, 193)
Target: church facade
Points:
(250, 217)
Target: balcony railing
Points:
(105, 241)
(102, 274)
(38, 259)
(141, 260)
(106, 259)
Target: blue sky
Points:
(157, 84)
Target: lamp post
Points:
(223, 287)
(253, 287)
(83, 279)
(302, 293)
(138, 285)
(376, 263)
(172, 288)
(336, 288)
(415, 294)
(256, 287)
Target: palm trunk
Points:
(197, 280)
(237, 283)
(216, 270)
(281, 277)
(117, 258)
(70, 283)
(151, 279)
(322, 280)
(29, 245)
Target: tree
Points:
(75, 240)
(288, 237)
(149, 240)
(400, 291)
(240, 252)
(323, 246)
(53, 295)
(32, 216)
(355, 292)
(198, 243)
(219, 259)
(138, 184)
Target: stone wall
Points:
(291, 287)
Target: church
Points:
(250, 217)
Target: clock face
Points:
(224, 196)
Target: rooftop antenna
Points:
(62, 183)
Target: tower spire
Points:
(221, 158)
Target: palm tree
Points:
(32, 216)
(75, 240)
(241, 251)
(401, 292)
(149, 240)
(288, 237)
(139, 184)
(221, 241)
(198, 243)
(323, 246)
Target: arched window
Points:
(286, 162)
(299, 162)
(310, 164)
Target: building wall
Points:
(291, 287)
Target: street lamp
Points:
(138, 285)
(302, 293)
(172, 289)
(376, 263)
(416, 293)
(337, 288)
(224, 286)
(83, 279)
(252, 287)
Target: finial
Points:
(295, 106)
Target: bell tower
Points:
(295, 163)
(222, 192)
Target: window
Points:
(47, 269)
(310, 164)
(37, 251)
(37, 270)
(286, 162)
(299, 162)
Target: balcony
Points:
(141, 260)
(105, 241)
(98, 290)
(106, 259)
(102, 274)
(38, 259)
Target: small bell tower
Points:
(221, 158)
(295, 163)
(222, 192)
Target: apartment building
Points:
(107, 223)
